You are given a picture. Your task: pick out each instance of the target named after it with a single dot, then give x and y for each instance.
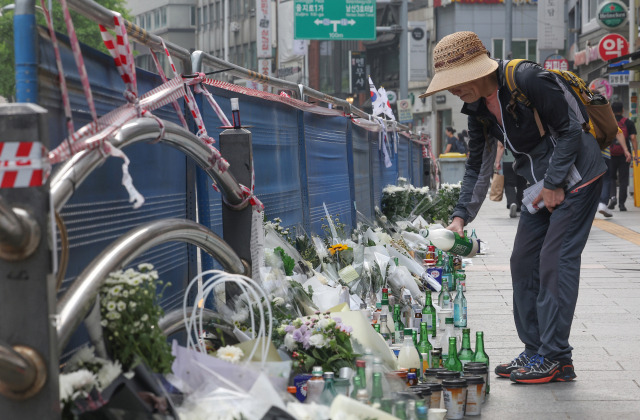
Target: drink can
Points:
(300, 382)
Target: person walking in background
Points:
(620, 158)
(545, 262)
(454, 145)
(514, 184)
(608, 182)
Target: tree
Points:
(87, 31)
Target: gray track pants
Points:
(545, 271)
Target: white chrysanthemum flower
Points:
(125, 294)
(111, 306)
(144, 318)
(290, 343)
(132, 305)
(71, 383)
(115, 290)
(121, 306)
(145, 267)
(230, 354)
(136, 281)
(324, 323)
(317, 340)
(104, 323)
(113, 316)
(278, 301)
(108, 373)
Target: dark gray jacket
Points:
(549, 157)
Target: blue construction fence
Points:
(302, 160)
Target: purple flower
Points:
(303, 329)
(338, 320)
(305, 340)
(297, 335)
(289, 328)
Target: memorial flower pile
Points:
(318, 340)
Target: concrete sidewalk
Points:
(606, 326)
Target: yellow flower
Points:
(337, 247)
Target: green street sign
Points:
(612, 14)
(335, 19)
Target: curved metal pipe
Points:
(16, 373)
(173, 321)
(77, 300)
(74, 171)
(11, 229)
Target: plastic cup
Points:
(446, 374)
(424, 392)
(436, 393)
(454, 394)
(475, 393)
(430, 374)
(479, 369)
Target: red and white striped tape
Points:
(223, 118)
(23, 164)
(121, 53)
(176, 107)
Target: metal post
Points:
(27, 285)
(235, 146)
(508, 34)
(26, 55)
(404, 51)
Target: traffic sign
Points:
(404, 111)
(612, 46)
(556, 62)
(335, 19)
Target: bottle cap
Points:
(411, 375)
(408, 331)
(317, 370)
(329, 375)
(360, 363)
(466, 330)
(292, 389)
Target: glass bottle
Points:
(376, 327)
(400, 410)
(408, 357)
(448, 333)
(465, 354)
(414, 336)
(360, 371)
(329, 391)
(460, 309)
(315, 385)
(385, 301)
(398, 324)
(411, 410)
(436, 357)
(363, 396)
(421, 413)
(376, 391)
(452, 362)
(384, 329)
(461, 278)
(357, 385)
(444, 298)
(480, 355)
(407, 310)
(429, 314)
(424, 347)
(446, 272)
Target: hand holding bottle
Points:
(457, 225)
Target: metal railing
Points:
(73, 172)
(78, 299)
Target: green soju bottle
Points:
(329, 392)
(480, 355)
(465, 354)
(429, 314)
(400, 410)
(397, 322)
(424, 347)
(460, 309)
(376, 390)
(452, 362)
(444, 298)
(360, 371)
(357, 385)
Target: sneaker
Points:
(539, 370)
(622, 207)
(566, 373)
(505, 369)
(612, 203)
(513, 209)
(602, 209)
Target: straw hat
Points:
(459, 58)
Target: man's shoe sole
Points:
(503, 375)
(556, 377)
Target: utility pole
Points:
(508, 36)
(404, 47)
